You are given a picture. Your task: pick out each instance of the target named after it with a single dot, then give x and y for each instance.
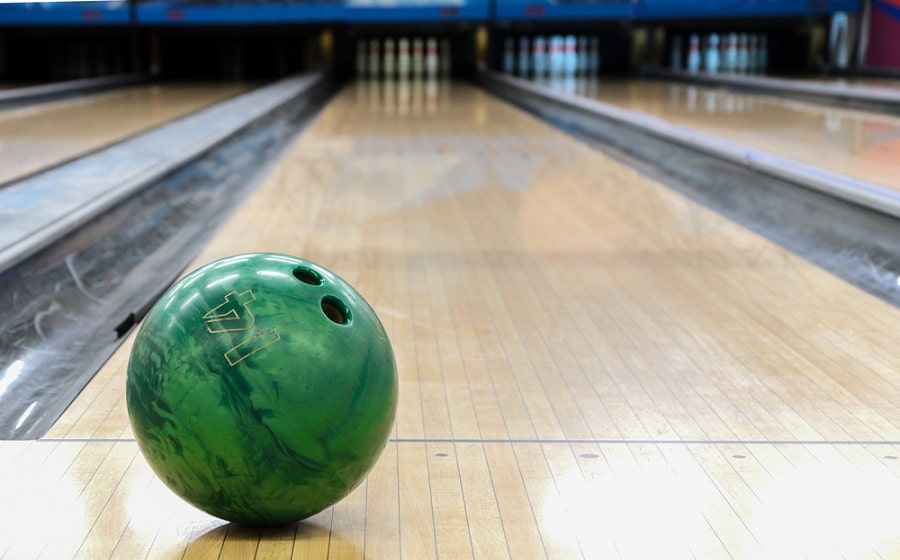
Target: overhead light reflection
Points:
(12, 372)
(271, 273)
(25, 415)
(222, 280)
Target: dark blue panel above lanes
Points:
(387, 11)
(539, 10)
(246, 12)
(675, 9)
(352, 11)
(251, 12)
(65, 13)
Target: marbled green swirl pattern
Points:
(298, 420)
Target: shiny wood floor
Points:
(591, 366)
(35, 137)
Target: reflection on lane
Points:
(855, 143)
(403, 96)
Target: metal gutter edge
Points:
(44, 92)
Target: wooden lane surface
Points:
(39, 136)
(855, 143)
(591, 367)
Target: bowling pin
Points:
(374, 58)
(524, 57)
(838, 45)
(361, 56)
(594, 56)
(762, 55)
(418, 57)
(712, 54)
(403, 57)
(742, 54)
(753, 54)
(731, 53)
(431, 57)
(389, 58)
(557, 55)
(582, 55)
(540, 57)
(570, 56)
(693, 62)
(675, 54)
(508, 55)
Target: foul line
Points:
(558, 441)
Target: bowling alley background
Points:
(450, 279)
(247, 40)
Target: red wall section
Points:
(884, 34)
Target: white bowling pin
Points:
(390, 59)
(418, 57)
(524, 56)
(540, 57)
(731, 53)
(508, 55)
(762, 55)
(742, 54)
(712, 54)
(403, 57)
(838, 44)
(582, 55)
(570, 56)
(432, 64)
(374, 58)
(594, 56)
(693, 61)
(557, 55)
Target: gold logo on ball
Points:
(234, 315)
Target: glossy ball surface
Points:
(261, 388)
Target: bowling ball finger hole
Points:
(308, 276)
(335, 310)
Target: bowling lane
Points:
(586, 358)
(39, 136)
(855, 143)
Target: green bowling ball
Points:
(261, 388)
